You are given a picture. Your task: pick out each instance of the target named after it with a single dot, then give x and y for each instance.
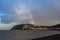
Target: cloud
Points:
(23, 12)
(57, 2)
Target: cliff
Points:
(33, 27)
(23, 27)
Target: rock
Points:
(23, 27)
(33, 27)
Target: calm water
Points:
(24, 34)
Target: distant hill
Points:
(33, 27)
(23, 26)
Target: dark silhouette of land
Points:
(23, 26)
(18, 27)
(35, 27)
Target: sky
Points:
(42, 12)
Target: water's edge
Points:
(24, 34)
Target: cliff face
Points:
(23, 27)
(17, 27)
(33, 27)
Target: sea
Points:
(24, 34)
